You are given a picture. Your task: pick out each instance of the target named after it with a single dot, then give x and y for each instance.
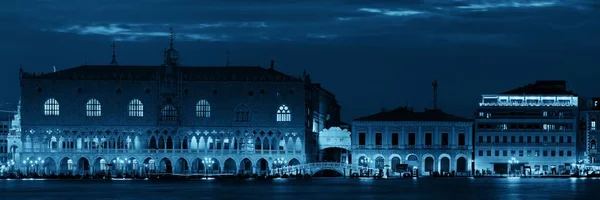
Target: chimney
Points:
(435, 85)
(272, 64)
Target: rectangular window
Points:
(512, 139)
(553, 153)
(497, 139)
(411, 139)
(528, 139)
(521, 153)
(378, 139)
(461, 139)
(528, 152)
(362, 139)
(428, 139)
(537, 139)
(480, 139)
(593, 124)
(395, 140)
(553, 139)
(497, 153)
(537, 153)
(561, 153)
(489, 139)
(489, 152)
(569, 139)
(545, 138)
(545, 153)
(520, 139)
(480, 153)
(505, 139)
(569, 153)
(512, 153)
(505, 153)
(561, 139)
(445, 139)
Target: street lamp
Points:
(365, 162)
(278, 164)
(513, 162)
(207, 164)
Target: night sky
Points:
(370, 53)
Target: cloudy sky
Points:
(370, 53)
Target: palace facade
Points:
(402, 140)
(590, 135)
(528, 130)
(169, 119)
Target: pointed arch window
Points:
(242, 113)
(136, 108)
(51, 108)
(169, 113)
(93, 108)
(203, 109)
(283, 114)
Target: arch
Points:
(49, 166)
(198, 166)
(428, 164)
(444, 163)
(395, 161)
(262, 166)
(216, 166)
(169, 113)
(229, 166)
(283, 114)
(165, 166)
(203, 109)
(379, 162)
(363, 161)
(461, 164)
(83, 166)
(93, 108)
(51, 107)
(132, 166)
(246, 166)
(593, 144)
(317, 170)
(298, 145)
(152, 143)
(99, 165)
(181, 167)
(66, 165)
(257, 144)
(412, 157)
(136, 108)
(294, 162)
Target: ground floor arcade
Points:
(396, 163)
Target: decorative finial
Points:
(227, 53)
(114, 53)
(172, 34)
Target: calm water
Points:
(314, 189)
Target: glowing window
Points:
(593, 124)
(203, 109)
(242, 113)
(136, 108)
(93, 108)
(283, 114)
(169, 113)
(51, 108)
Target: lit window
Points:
(93, 108)
(545, 113)
(136, 108)
(283, 114)
(242, 113)
(593, 124)
(481, 114)
(51, 108)
(203, 109)
(595, 103)
(169, 113)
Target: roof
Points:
(148, 73)
(407, 114)
(543, 88)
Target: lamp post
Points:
(513, 162)
(365, 162)
(207, 164)
(278, 164)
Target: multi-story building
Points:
(169, 118)
(402, 140)
(527, 130)
(5, 125)
(590, 135)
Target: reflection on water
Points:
(339, 188)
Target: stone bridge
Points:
(312, 168)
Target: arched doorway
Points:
(149, 166)
(165, 166)
(294, 162)
(445, 165)
(99, 165)
(132, 166)
(83, 166)
(182, 166)
(49, 166)
(66, 165)
(428, 164)
(198, 166)
(364, 161)
(229, 166)
(215, 167)
(246, 166)
(395, 165)
(379, 162)
(262, 167)
(461, 165)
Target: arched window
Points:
(283, 114)
(93, 108)
(203, 109)
(242, 113)
(136, 108)
(169, 113)
(51, 108)
(593, 144)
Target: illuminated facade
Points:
(590, 135)
(5, 124)
(169, 119)
(402, 140)
(527, 130)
